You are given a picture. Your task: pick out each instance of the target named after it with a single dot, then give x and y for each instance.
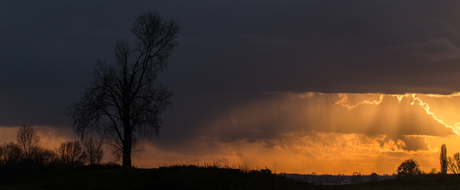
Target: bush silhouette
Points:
(408, 168)
(71, 154)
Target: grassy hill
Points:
(192, 177)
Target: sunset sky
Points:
(296, 86)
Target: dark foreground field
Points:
(191, 177)
(176, 177)
(424, 181)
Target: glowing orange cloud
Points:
(425, 106)
(399, 97)
(344, 100)
(427, 109)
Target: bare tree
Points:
(443, 159)
(453, 164)
(28, 139)
(44, 156)
(124, 102)
(10, 153)
(93, 150)
(2, 154)
(456, 161)
(71, 153)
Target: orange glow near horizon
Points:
(309, 132)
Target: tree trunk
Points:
(127, 145)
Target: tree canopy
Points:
(408, 168)
(28, 139)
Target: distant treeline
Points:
(27, 158)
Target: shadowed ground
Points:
(176, 177)
(192, 177)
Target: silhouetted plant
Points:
(28, 159)
(93, 150)
(44, 156)
(244, 167)
(70, 153)
(443, 159)
(28, 139)
(408, 168)
(124, 103)
(456, 160)
(2, 154)
(453, 164)
(266, 170)
(41, 160)
(11, 153)
(356, 177)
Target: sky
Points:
(295, 86)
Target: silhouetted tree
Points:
(443, 159)
(11, 153)
(408, 168)
(124, 102)
(93, 150)
(453, 164)
(44, 156)
(456, 160)
(3, 154)
(28, 139)
(71, 153)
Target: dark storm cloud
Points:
(326, 46)
(230, 52)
